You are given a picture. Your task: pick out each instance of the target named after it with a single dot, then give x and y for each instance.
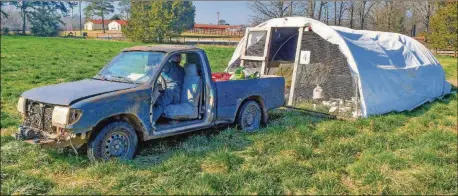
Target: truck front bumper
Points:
(50, 141)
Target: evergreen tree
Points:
(443, 32)
(116, 17)
(28, 7)
(25, 7)
(45, 21)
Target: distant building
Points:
(218, 27)
(116, 25)
(112, 25)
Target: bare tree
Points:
(390, 16)
(423, 10)
(335, 12)
(326, 11)
(13, 21)
(363, 12)
(264, 10)
(341, 12)
(124, 8)
(389, 6)
(322, 4)
(2, 12)
(311, 9)
(352, 11)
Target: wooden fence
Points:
(231, 33)
(453, 53)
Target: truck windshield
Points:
(131, 67)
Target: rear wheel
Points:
(116, 140)
(249, 116)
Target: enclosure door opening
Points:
(282, 53)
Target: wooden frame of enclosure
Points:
(264, 58)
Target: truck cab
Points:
(114, 110)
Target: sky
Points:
(233, 12)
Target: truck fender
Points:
(260, 101)
(130, 118)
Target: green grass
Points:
(450, 68)
(399, 153)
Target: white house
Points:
(116, 25)
(112, 25)
(88, 26)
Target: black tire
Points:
(249, 117)
(116, 140)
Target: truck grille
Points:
(39, 117)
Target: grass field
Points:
(401, 153)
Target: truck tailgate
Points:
(231, 93)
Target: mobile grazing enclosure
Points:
(341, 71)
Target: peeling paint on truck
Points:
(98, 102)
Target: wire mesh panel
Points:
(256, 43)
(326, 83)
(255, 65)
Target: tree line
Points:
(45, 17)
(154, 21)
(435, 20)
(151, 21)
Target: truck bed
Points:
(231, 93)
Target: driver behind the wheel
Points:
(173, 75)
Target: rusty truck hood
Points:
(71, 92)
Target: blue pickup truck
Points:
(113, 111)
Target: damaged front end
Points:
(44, 124)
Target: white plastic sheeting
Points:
(394, 71)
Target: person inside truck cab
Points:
(173, 75)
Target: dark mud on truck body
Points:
(113, 111)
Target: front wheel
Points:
(116, 140)
(249, 116)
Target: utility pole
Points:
(217, 22)
(81, 30)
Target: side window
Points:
(183, 59)
(190, 57)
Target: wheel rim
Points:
(250, 116)
(116, 144)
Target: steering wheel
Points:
(161, 85)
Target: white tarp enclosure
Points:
(342, 71)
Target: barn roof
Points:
(161, 48)
(212, 26)
(100, 21)
(121, 22)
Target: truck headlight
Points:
(21, 105)
(60, 115)
(65, 116)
